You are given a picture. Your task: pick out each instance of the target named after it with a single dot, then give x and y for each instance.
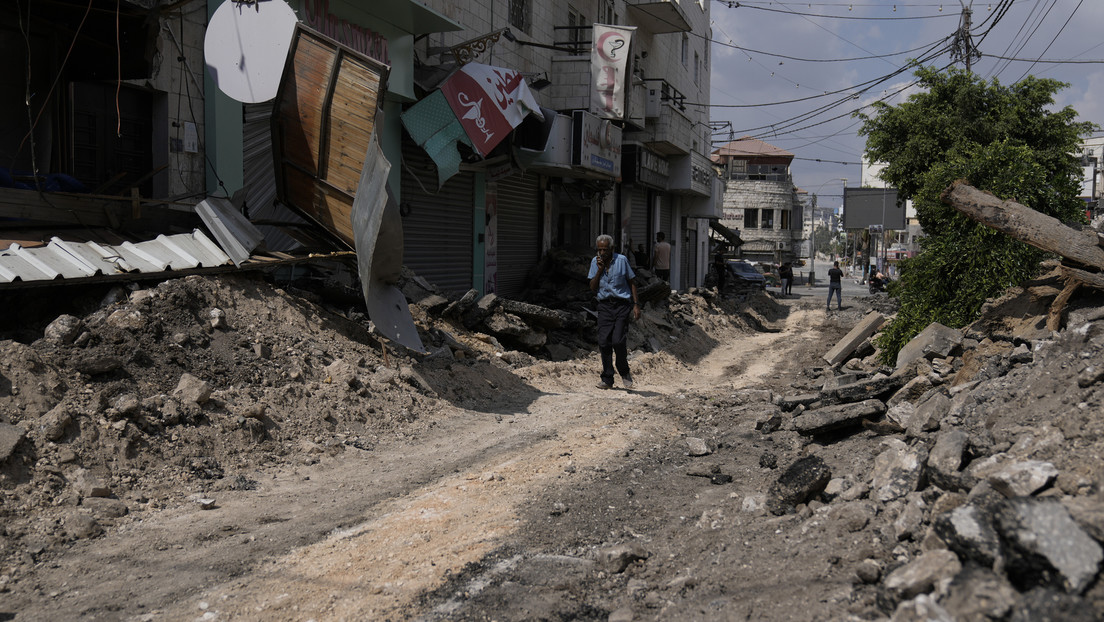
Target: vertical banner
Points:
(609, 64)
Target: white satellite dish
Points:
(246, 47)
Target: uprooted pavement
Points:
(988, 474)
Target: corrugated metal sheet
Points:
(72, 260)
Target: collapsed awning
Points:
(478, 105)
(733, 237)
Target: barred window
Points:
(521, 14)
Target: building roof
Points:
(747, 147)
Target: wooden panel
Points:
(326, 110)
(301, 108)
(352, 118)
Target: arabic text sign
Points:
(489, 101)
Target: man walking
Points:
(661, 257)
(835, 285)
(612, 278)
(786, 274)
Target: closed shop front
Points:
(638, 220)
(665, 224)
(689, 256)
(437, 226)
(518, 231)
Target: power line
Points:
(802, 99)
(1056, 35)
(1061, 61)
(744, 5)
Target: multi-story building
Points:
(664, 182)
(134, 107)
(760, 200)
(1092, 179)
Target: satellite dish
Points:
(246, 47)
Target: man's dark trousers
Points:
(613, 327)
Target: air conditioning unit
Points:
(652, 100)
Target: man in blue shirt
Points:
(612, 278)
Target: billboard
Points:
(863, 207)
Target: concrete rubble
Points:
(991, 528)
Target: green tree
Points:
(1006, 140)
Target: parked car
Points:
(739, 276)
(744, 274)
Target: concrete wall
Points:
(180, 88)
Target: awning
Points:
(733, 237)
(410, 16)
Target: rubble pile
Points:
(555, 318)
(163, 395)
(984, 483)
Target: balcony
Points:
(668, 130)
(659, 16)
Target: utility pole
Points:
(962, 48)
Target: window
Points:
(751, 219)
(685, 49)
(697, 69)
(606, 14)
(521, 14)
(784, 220)
(768, 219)
(577, 22)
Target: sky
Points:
(766, 53)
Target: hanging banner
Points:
(490, 102)
(609, 64)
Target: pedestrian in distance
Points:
(835, 285)
(786, 274)
(722, 271)
(611, 277)
(661, 257)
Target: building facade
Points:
(761, 201)
(135, 109)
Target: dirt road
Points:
(510, 513)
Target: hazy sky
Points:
(784, 45)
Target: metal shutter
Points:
(437, 227)
(664, 224)
(689, 258)
(259, 171)
(638, 221)
(518, 241)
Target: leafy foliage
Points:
(1001, 139)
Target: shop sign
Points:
(596, 144)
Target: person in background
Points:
(786, 274)
(661, 257)
(835, 285)
(722, 272)
(611, 278)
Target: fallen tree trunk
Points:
(1025, 224)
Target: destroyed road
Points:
(499, 486)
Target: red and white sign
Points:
(609, 61)
(489, 102)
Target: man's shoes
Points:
(627, 381)
(602, 384)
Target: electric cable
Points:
(1056, 35)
